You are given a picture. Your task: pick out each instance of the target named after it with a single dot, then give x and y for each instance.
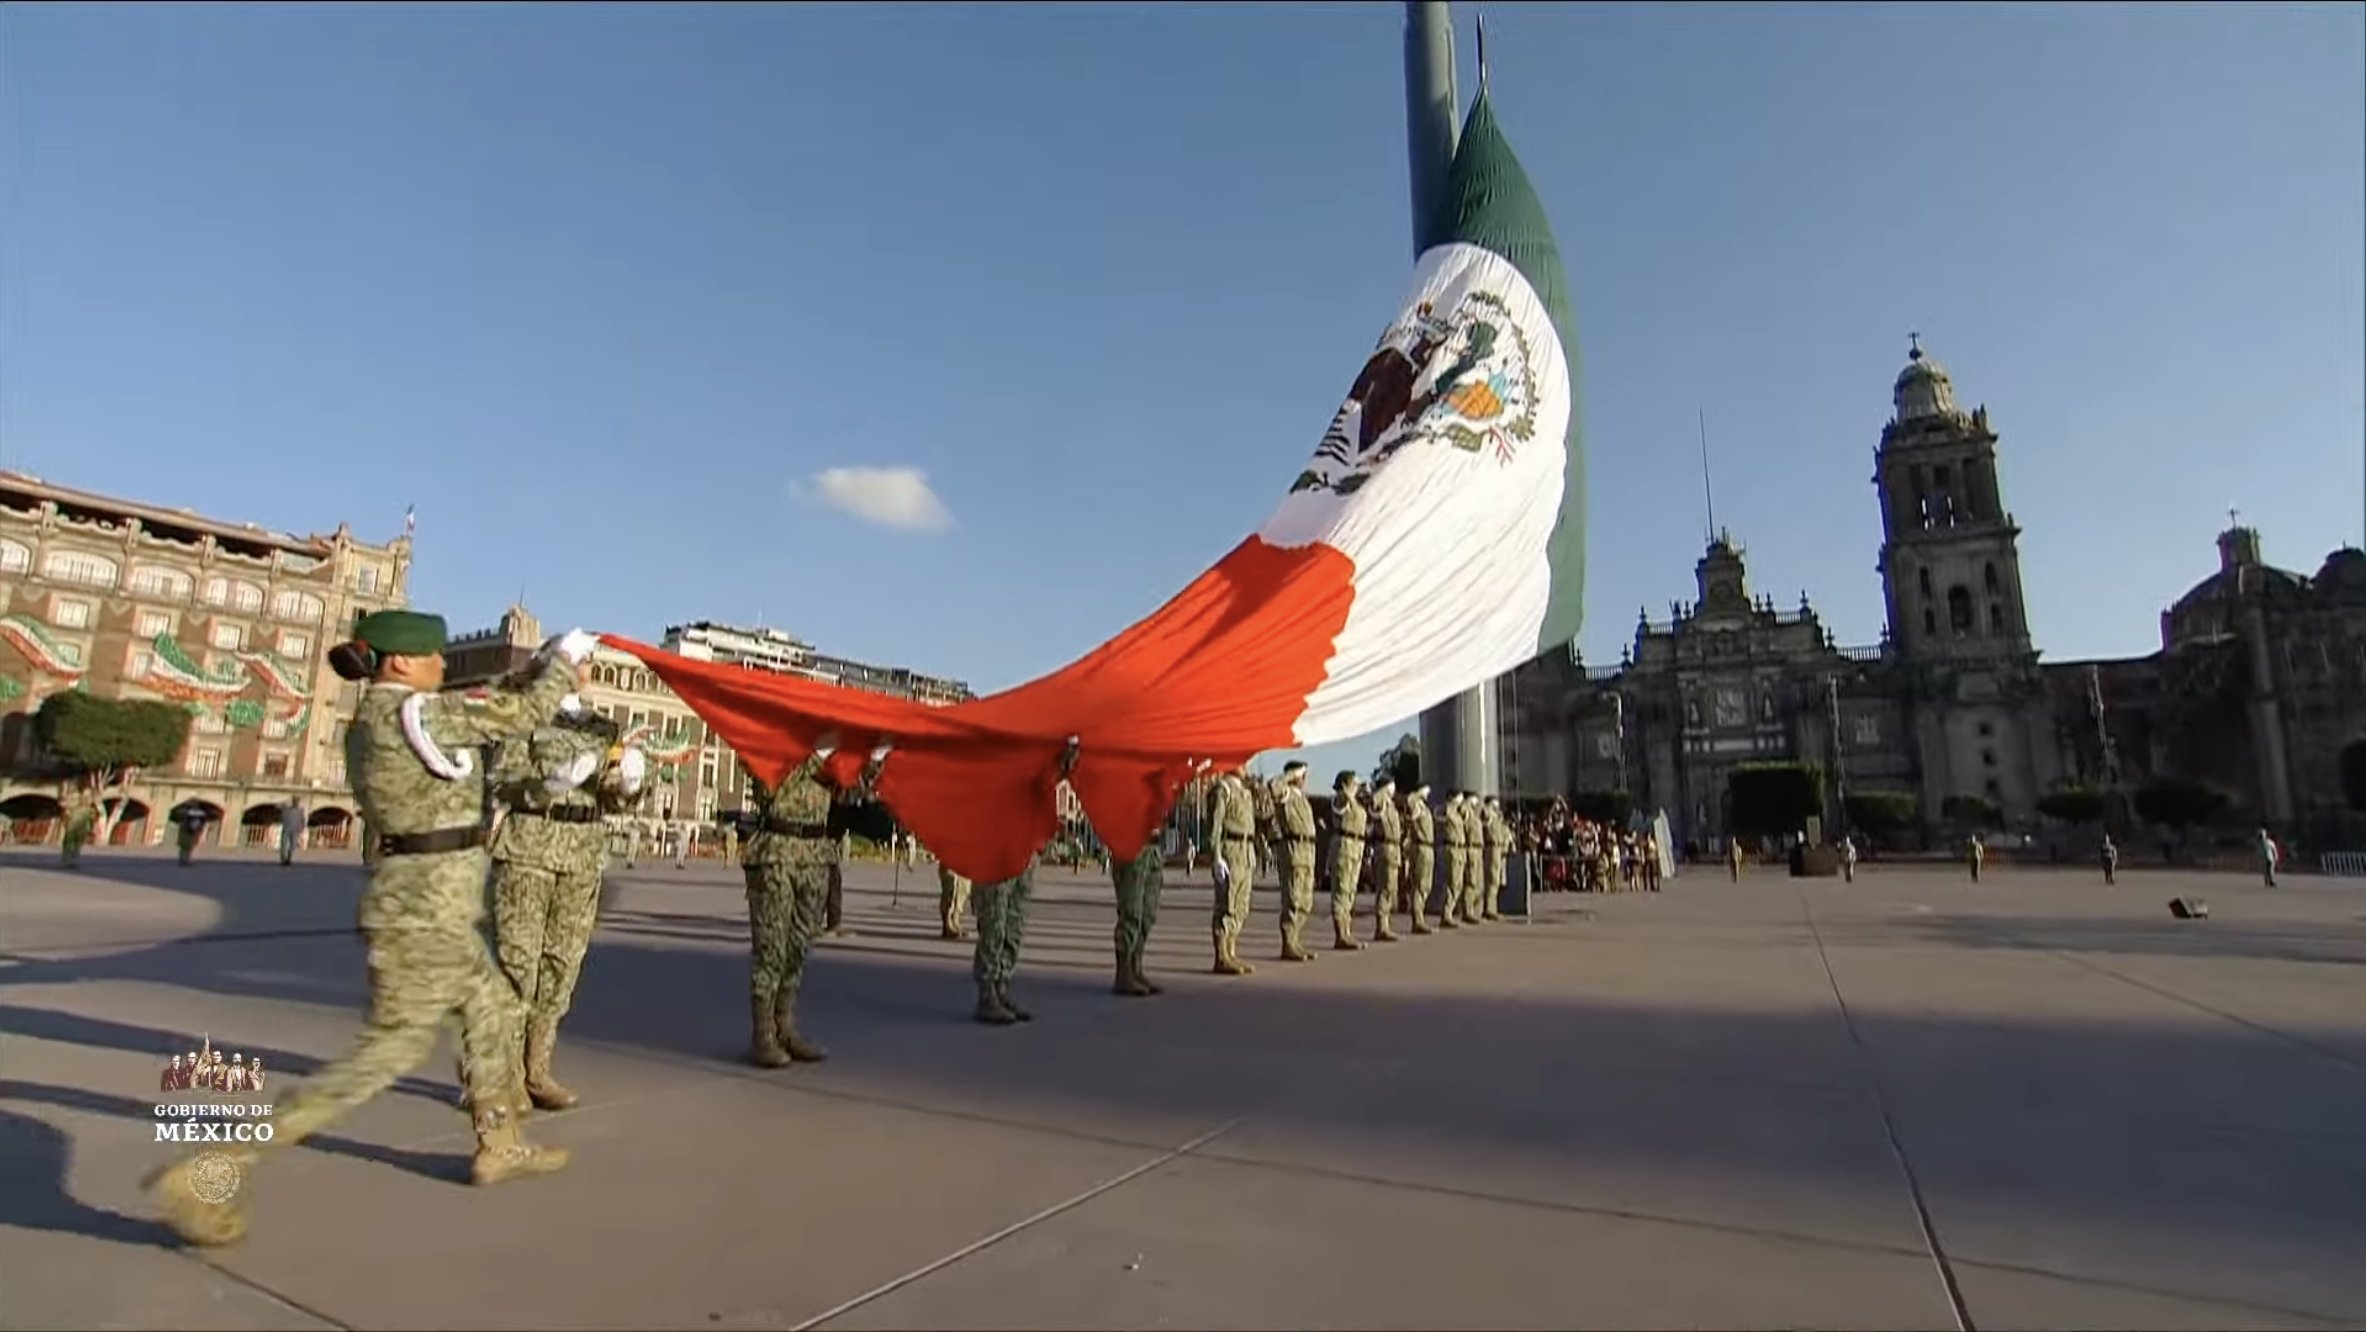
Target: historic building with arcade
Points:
(126, 599)
(2259, 679)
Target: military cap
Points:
(1386, 782)
(1346, 779)
(402, 633)
(1293, 767)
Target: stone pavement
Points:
(1895, 1105)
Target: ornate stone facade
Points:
(2259, 682)
(126, 599)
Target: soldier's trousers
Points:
(785, 904)
(1139, 885)
(1491, 872)
(1421, 880)
(952, 900)
(1233, 899)
(1347, 869)
(1297, 895)
(542, 927)
(1002, 928)
(428, 962)
(1388, 887)
(1458, 883)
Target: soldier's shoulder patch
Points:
(476, 698)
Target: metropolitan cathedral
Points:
(2259, 680)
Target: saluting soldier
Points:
(1388, 861)
(1232, 824)
(1350, 822)
(1455, 835)
(410, 755)
(1498, 836)
(1421, 856)
(1296, 816)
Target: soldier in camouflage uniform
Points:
(1421, 857)
(1497, 834)
(548, 857)
(1232, 828)
(952, 902)
(1349, 823)
(1462, 863)
(1298, 861)
(1002, 929)
(409, 755)
(1388, 859)
(1139, 883)
(786, 863)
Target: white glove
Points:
(573, 706)
(576, 645)
(573, 774)
(1223, 872)
(631, 769)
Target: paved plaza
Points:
(1906, 1103)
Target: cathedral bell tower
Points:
(1951, 575)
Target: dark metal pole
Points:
(1459, 738)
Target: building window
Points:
(1930, 621)
(227, 635)
(137, 663)
(69, 654)
(365, 579)
(1988, 758)
(205, 764)
(210, 723)
(149, 624)
(1987, 729)
(275, 766)
(1996, 618)
(1995, 793)
(154, 581)
(70, 614)
(1922, 580)
(79, 567)
(15, 557)
(1988, 573)
(1959, 610)
(291, 605)
(334, 771)
(1868, 729)
(293, 645)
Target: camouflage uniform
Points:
(1388, 860)
(1002, 928)
(952, 902)
(1139, 883)
(79, 823)
(1497, 831)
(787, 866)
(417, 782)
(1232, 827)
(548, 858)
(1457, 861)
(1421, 857)
(1298, 834)
(1349, 823)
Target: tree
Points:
(103, 743)
(1401, 762)
(2072, 805)
(1774, 798)
(2353, 773)
(1879, 812)
(1978, 812)
(1611, 807)
(2180, 803)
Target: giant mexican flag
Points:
(1434, 540)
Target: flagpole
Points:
(1458, 737)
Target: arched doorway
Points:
(32, 817)
(131, 822)
(329, 827)
(258, 825)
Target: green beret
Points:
(409, 634)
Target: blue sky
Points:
(604, 290)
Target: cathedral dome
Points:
(1923, 392)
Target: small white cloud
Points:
(889, 497)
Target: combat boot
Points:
(793, 1042)
(1142, 979)
(1343, 937)
(202, 1197)
(992, 1009)
(1292, 951)
(1129, 978)
(1023, 1016)
(502, 1153)
(1384, 927)
(543, 1091)
(1228, 959)
(767, 1052)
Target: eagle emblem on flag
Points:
(1463, 380)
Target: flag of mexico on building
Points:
(1434, 540)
